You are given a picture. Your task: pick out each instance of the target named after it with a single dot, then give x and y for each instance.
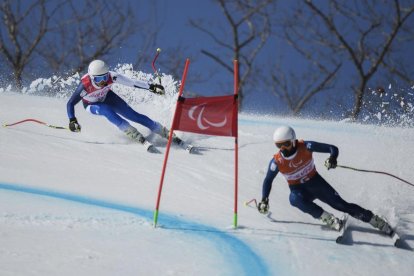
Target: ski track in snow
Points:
(235, 252)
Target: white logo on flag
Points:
(200, 118)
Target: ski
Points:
(396, 239)
(189, 148)
(153, 149)
(399, 242)
(150, 147)
(186, 146)
(341, 239)
(136, 136)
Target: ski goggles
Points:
(101, 78)
(285, 144)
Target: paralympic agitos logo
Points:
(201, 120)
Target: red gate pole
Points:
(187, 63)
(236, 148)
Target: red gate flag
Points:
(207, 115)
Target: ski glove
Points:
(74, 126)
(331, 163)
(156, 89)
(263, 206)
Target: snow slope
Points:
(82, 203)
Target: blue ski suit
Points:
(103, 101)
(306, 184)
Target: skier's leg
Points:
(104, 109)
(326, 193)
(123, 109)
(301, 200)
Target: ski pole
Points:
(36, 121)
(379, 172)
(153, 65)
(247, 203)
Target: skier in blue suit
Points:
(95, 92)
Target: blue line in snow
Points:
(239, 256)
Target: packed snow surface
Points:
(82, 203)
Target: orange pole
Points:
(187, 63)
(236, 148)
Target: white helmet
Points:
(97, 68)
(284, 133)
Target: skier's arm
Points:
(331, 162)
(263, 205)
(321, 147)
(124, 80)
(74, 99)
(272, 171)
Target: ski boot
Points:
(331, 221)
(164, 132)
(134, 134)
(189, 148)
(382, 225)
